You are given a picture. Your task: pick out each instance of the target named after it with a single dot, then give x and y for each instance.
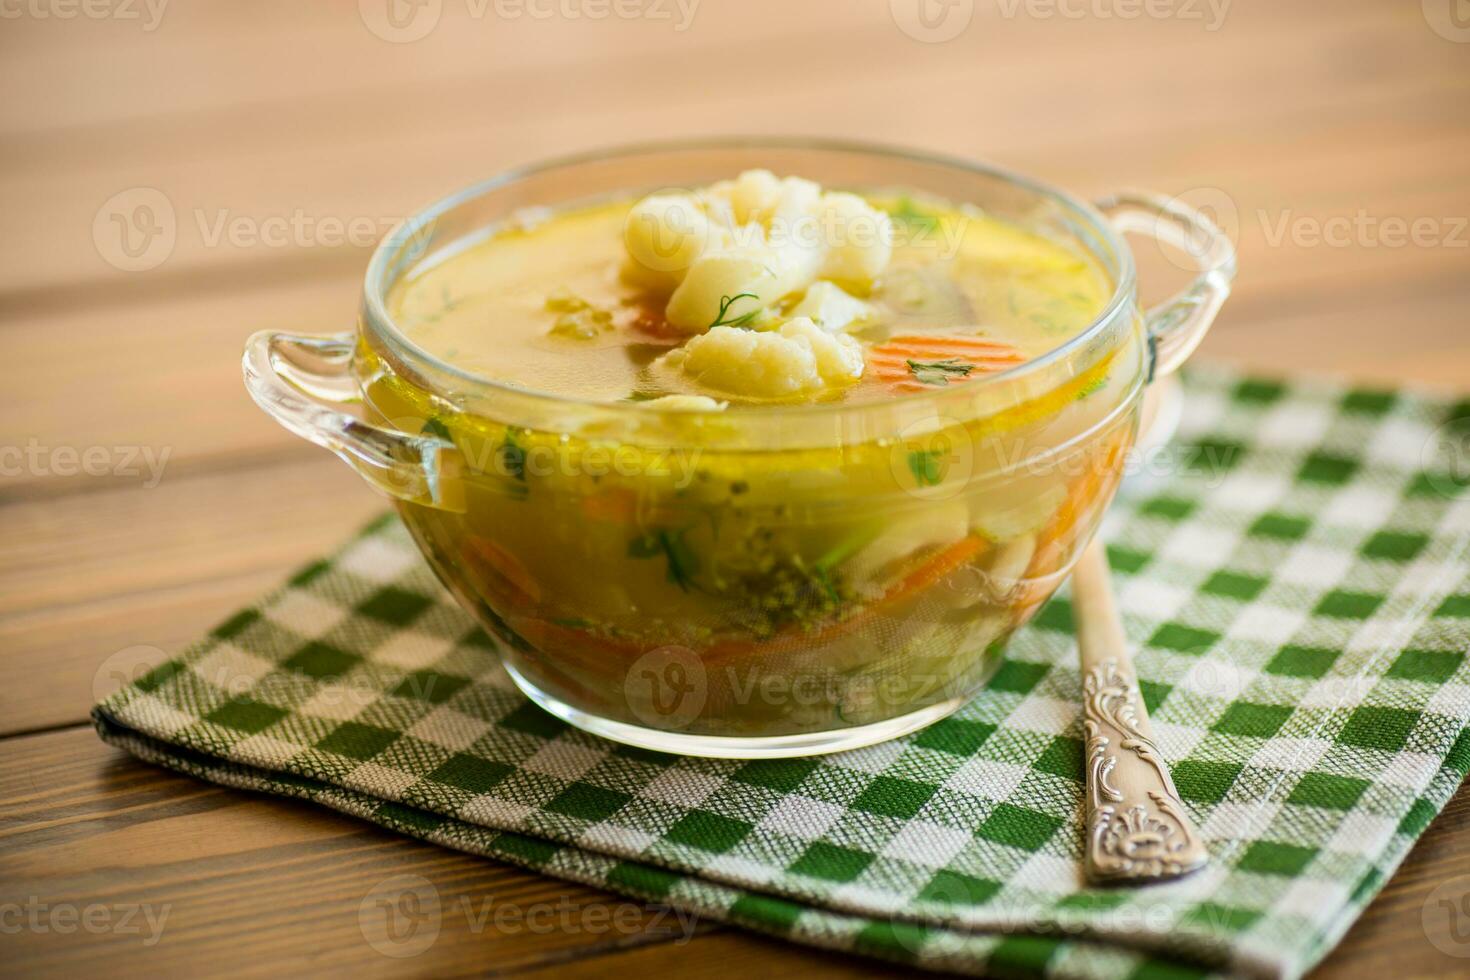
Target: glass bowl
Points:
(762, 582)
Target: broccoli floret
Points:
(776, 588)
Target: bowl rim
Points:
(375, 283)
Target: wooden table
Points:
(276, 139)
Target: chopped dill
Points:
(744, 320)
(682, 563)
(511, 455)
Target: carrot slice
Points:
(617, 506)
(1058, 541)
(924, 363)
(487, 556)
(936, 568)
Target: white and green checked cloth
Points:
(1300, 595)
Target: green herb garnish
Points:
(744, 320)
(847, 547)
(787, 592)
(435, 427)
(909, 214)
(940, 372)
(1095, 385)
(511, 455)
(924, 464)
(683, 564)
(447, 303)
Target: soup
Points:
(678, 577)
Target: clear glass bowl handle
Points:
(300, 396)
(1177, 325)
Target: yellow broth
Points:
(492, 309)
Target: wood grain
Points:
(1286, 120)
(257, 886)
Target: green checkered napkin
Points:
(1299, 593)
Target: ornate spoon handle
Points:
(1137, 829)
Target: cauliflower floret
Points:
(861, 240)
(750, 195)
(664, 234)
(752, 278)
(799, 359)
(757, 234)
(830, 307)
(687, 403)
(759, 197)
(839, 357)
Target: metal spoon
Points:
(1137, 829)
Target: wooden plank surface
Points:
(1289, 120)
